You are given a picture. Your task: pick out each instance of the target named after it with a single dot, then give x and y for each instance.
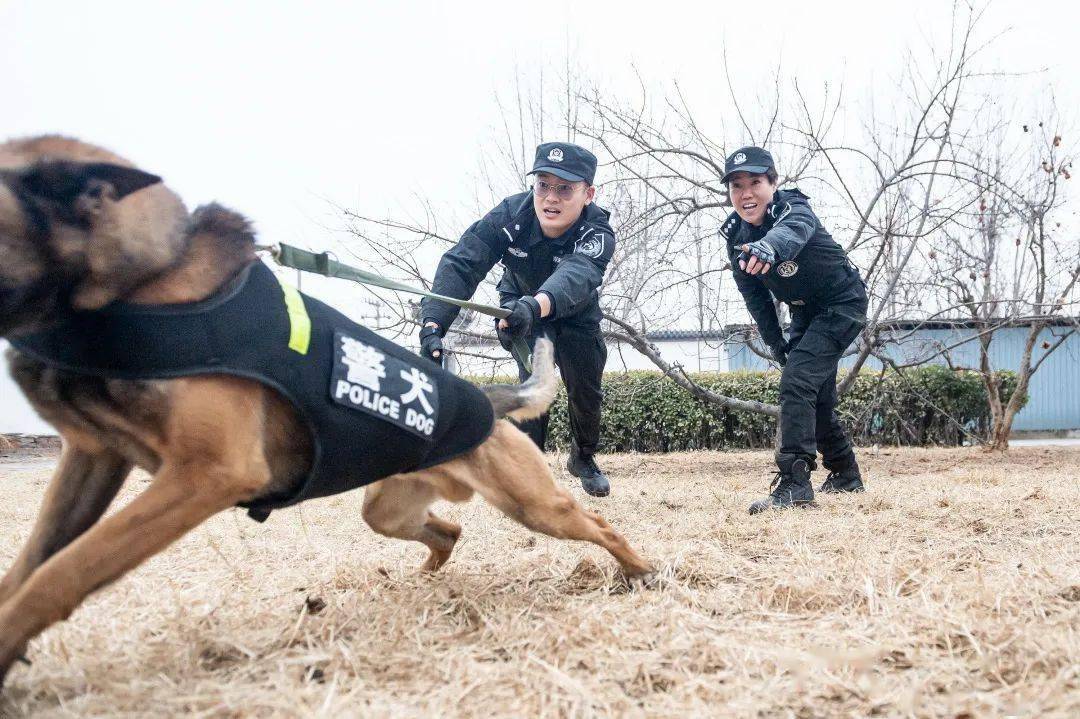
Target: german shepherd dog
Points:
(80, 228)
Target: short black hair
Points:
(770, 174)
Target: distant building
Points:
(696, 351)
(1054, 392)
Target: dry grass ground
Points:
(952, 588)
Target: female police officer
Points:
(778, 248)
(554, 245)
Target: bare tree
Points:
(1013, 264)
(903, 178)
(915, 191)
(891, 187)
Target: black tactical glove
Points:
(431, 343)
(760, 249)
(524, 316)
(780, 352)
(505, 339)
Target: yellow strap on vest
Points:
(299, 322)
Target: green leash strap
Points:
(323, 264)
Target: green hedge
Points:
(647, 412)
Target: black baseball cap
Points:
(751, 159)
(566, 160)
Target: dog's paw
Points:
(646, 580)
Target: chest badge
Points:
(787, 269)
(516, 252)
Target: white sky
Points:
(279, 109)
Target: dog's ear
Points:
(125, 180)
(111, 243)
(83, 185)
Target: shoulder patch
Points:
(779, 210)
(591, 244)
(390, 389)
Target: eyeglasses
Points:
(563, 192)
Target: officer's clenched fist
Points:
(431, 342)
(757, 257)
(524, 316)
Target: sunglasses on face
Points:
(563, 192)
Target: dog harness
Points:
(373, 408)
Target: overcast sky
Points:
(284, 109)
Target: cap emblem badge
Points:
(556, 154)
(739, 158)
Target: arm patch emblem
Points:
(778, 213)
(787, 269)
(591, 246)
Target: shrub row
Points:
(647, 412)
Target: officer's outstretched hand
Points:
(431, 342)
(780, 352)
(524, 316)
(757, 257)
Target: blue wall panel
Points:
(1054, 392)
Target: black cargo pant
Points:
(580, 353)
(817, 337)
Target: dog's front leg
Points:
(82, 487)
(182, 495)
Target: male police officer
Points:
(778, 248)
(554, 245)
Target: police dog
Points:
(80, 228)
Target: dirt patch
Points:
(951, 588)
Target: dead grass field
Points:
(952, 588)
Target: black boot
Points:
(584, 468)
(843, 477)
(790, 487)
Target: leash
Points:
(323, 264)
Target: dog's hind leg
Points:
(398, 507)
(509, 471)
(82, 487)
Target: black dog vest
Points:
(373, 408)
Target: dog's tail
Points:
(534, 396)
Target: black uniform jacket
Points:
(569, 269)
(373, 408)
(811, 269)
